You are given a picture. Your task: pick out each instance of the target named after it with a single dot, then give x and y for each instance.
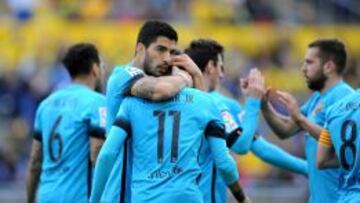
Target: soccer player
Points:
(323, 67)
(66, 123)
(339, 145)
(208, 55)
(166, 147)
(155, 46)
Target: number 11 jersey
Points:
(64, 121)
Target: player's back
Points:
(166, 143)
(65, 120)
(343, 122)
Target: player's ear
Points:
(95, 70)
(210, 67)
(329, 67)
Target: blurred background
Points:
(272, 35)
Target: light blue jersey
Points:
(118, 87)
(64, 121)
(166, 147)
(323, 184)
(234, 117)
(343, 124)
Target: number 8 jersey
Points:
(343, 125)
(64, 121)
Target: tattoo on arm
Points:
(144, 88)
(34, 171)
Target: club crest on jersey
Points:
(133, 71)
(318, 108)
(102, 116)
(230, 124)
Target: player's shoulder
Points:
(348, 102)
(125, 71)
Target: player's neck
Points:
(330, 83)
(138, 63)
(86, 81)
(207, 84)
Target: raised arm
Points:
(34, 171)
(112, 148)
(326, 157)
(240, 141)
(283, 126)
(276, 156)
(253, 88)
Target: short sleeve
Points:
(122, 119)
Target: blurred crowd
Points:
(232, 11)
(28, 78)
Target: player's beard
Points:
(317, 83)
(150, 68)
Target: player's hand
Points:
(185, 62)
(291, 103)
(254, 84)
(185, 75)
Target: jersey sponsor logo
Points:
(102, 116)
(133, 71)
(230, 124)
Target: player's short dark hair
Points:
(79, 59)
(331, 49)
(201, 51)
(153, 29)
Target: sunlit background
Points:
(269, 34)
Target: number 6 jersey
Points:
(64, 121)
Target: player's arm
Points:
(226, 165)
(240, 140)
(34, 170)
(184, 61)
(276, 156)
(253, 88)
(326, 157)
(283, 126)
(112, 148)
(160, 88)
(291, 103)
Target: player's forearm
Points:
(276, 156)
(198, 81)
(283, 127)
(313, 129)
(160, 88)
(33, 177)
(33, 182)
(250, 124)
(326, 157)
(223, 160)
